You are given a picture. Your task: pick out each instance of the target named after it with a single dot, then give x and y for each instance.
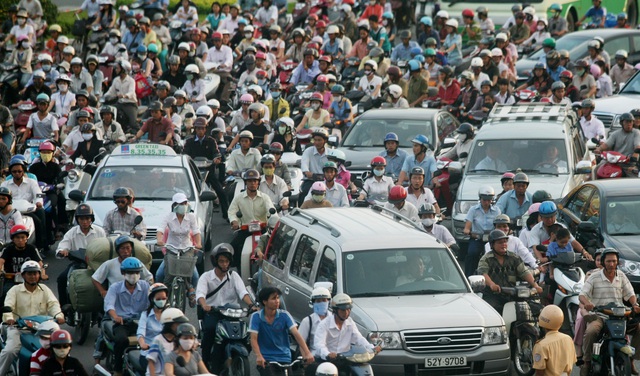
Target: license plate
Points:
(445, 361)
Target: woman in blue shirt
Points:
(452, 45)
(215, 16)
(149, 325)
(479, 221)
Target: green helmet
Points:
(42, 97)
(429, 52)
(330, 164)
(549, 42)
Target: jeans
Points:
(475, 251)
(213, 359)
(160, 277)
(121, 335)
(7, 138)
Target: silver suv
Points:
(406, 286)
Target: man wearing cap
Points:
(223, 56)
(160, 128)
(82, 102)
(402, 51)
(108, 129)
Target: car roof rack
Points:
(313, 220)
(528, 112)
(396, 216)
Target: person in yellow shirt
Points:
(554, 354)
(149, 35)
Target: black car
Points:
(607, 213)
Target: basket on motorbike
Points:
(79, 28)
(180, 266)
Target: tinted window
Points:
(508, 155)
(614, 45)
(371, 132)
(579, 147)
(303, 259)
(148, 182)
(327, 271)
(577, 203)
(281, 242)
(622, 216)
(446, 126)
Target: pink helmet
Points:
(246, 98)
(533, 208)
(595, 71)
(318, 188)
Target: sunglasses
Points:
(65, 346)
(120, 201)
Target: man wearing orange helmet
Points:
(398, 203)
(15, 254)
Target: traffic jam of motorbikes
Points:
(217, 188)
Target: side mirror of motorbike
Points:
(333, 141)
(477, 283)
(449, 142)
(586, 226)
(76, 195)
(102, 150)
(138, 219)
(207, 196)
(113, 127)
(189, 115)
(592, 144)
(347, 164)
(272, 211)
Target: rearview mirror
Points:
(583, 168)
(586, 226)
(138, 220)
(347, 164)
(477, 283)
(76, 195)
(207, 196)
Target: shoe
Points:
(580, 361)
(192, 299)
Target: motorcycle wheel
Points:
(622, 365)
(568, 326)
(82, 327)
(522, 355)
(177, 292)
(239, 366)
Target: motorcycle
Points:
(75, 178)
(570, 280)
(300, 13)
(9, 82)
(31, 152)
(176, 31)
(211, 80)
(22, 118)
(356, 361)
(350, 72)
(105, 64)
(179, 265)
(109, 344)
(612, 354)
(233, 338)
(285, 70)
(617, 165)
(448, 175)
(248, 256)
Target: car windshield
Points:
(371, 132)
(147, 182)
(575, 44)
(622, 216)
(531, 156)
(632, 86)
(401, 272)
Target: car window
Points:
(148, 182)
(327, 271)
(578, 146)
(592, 209)
(576, 44)
(371, 132)
(281, 242)
(303, 259)
(613, 45)
(532, 156)
(622, 216)
(578, 202)
(446, 125)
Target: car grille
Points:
(606, 119)
(151, 234)
(423, 341)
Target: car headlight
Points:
(494, 335)
(386, 340)
(629, 267)
(462, 207)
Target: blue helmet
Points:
(130, 14)
(422, 140)
(427, 21)
(391, 137)
(414, 65)
(420, 58)
(131, 264)
(122, 240)
(18, 159)
(548, 209)
(387, 15)
(540, 65)
(142, 49)
(415, 51)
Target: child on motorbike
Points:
(39, 357)
(61, 362)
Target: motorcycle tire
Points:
(523, 359)
(82, 327)
(622, 364)
(568, 327)
(239, 366)
(177, 294)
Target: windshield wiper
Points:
(368, 295)
(624, 233)
(431, 291)
(100, 198)
(485, 170)
(539, 172)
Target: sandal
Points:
(192, 299)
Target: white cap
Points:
(62, 39)
(180, 93)
(496, 52)
(69, 50)
(39, 73)
(179, 198)
(452, 22)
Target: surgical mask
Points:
(268, 171)
(63, 87)
(87, 136)
(367, 72)
(113, 40)
(46, 157)
(377, 172)
(21, 21)
(248, 35)
(317, 198)
(160, 303)
(62, 353)
(337, 98)
(580, 72)
(385, 22)
(540, 27)
(46, 67)
(262, 81)
(461, 137)
(45, 343)
(187, 344)
(320, 308)
(132, 278)
(428, 222)
(315, 106)
(282, 130)
(181, 209)
(189, 77)
(275, 94)
(142, 56)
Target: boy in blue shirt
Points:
(598, 15)
(561, 244)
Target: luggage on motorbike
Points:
(103, 249)
(79, 28)
(143, 87)
(85, 297)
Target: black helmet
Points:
(169, 101)
(541, 196)
(635, 112)
(608, 251)
(427, 209)
(155, 106)
(186, 329)
(219, 250)
(626, 116)
(251, 174)
(446, 70)
(376, 52)
(496, 235)
(416, 171)
(466, 128)
(84, 210)
(4, 191)
(121, 192)
(106, 110)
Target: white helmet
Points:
(442, 14)
(373, 64)
(486, 192)
(248, 29)
(327, 369)
(76, 61)
(320, 293)
(255, 88)
(45, 57)
(47, 328)
(192, 68)
(395, 91)
(173, 315)
(213, 103)
(544, 21)
(502, 37)
(452, 22)
(496, 52)
(288, 122)
(69, 50)
(62, 39)
(205, 112)
(477, 62)
(184, 46)
(529, 10)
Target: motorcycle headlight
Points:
(254, 227)
(629, 267)
(386, 340)
(73, 175)
(578, 287)
(494, 335)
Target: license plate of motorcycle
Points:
(445, 361)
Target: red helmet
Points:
(46, 146)
(321, 23)
(312, 17)
(261, 74)
(60, 337)
(397, 194)
(326, 58)
(468, 13)
(276, 147)
(316, 97)
(350, 2)
(322, 78)
(18, 229)
(545, 100)
(378, 161)
(261, 55)
(566, 74)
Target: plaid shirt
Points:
(114, 221)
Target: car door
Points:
(574, 209)
(274, 267)
(327, 270)
(301, 273)
(634, 52)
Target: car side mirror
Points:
(586, 226)
(333, 141)
(449, 142)
(207, 196)
(583, 168)
(463, 155)
(76, 195)
(477, 283)
(591, 145)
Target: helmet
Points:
(588, 103)
(320, 293)
(378, 161)
(42, 97)
(157, 287)
(622, 16)
(336, 155)
(62, 39)
(45, 57)
(414, 51)
(246, 98)
(192, 68)
(320, 132)
(482, 9)
(593, 44)
(486, 192)
(276, 147)
(205, 112)
(544, 21)
(608, 251)
(622, 54)
(387, 15)
(507, 176)
(267, 158)
(468, 13)
(257, 107)
(635, 112)
(446, 70)
(496, 235)
(414, 65)
(521, 177)
(377, 52)
(17, 230)
(87, 127)
(453, 23)
(4, 191)
(121, 240)
(298, 32)
(477, 62)
(555, 7)
(186, 329)
(173, 60)
(288, 122)
(397, 194)
(46, 146)
(342, 300)
(566, 74)
(327, 369)
(272, 221)
(337, 89)
(551, 317)
(152, 48)
(626, 116)
(548, 209)
(275, 28)
(121, 192)
(61, 337)
(142, 49)
(516, 8)
(310, 52)
(557, 85)
(534, 208)
(427, 208)
(427, 21)
(251, 174)
(442, 14)
(172, 315)
(540, 65)
(18, 159)
(429, 52)
(84, 210)
(595, 71)
(469, 76)
(131, 264)
(466, 128)
(529, 11)
(391, 137)
(372, 64)
(318, 188)
(502, 219)
(47, 328)
(29, 266)
(245, 134)
(416, 171)
(256, 89)
(168, 102)
(582, 63)
(421, 140)
(395, 91)
(225, 249)
(430, 42)
(484, 53)
(548, 42)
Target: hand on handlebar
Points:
(494, 287)
(332, 356)
(206, 307)
(118, 320)
(589, 306)
(10, 322)
(63, 253)
(235, 225)
(260, 362)
(308, 359)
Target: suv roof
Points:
(550, 119)
(363, 229)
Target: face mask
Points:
(275, 94)
(132, 278)
(62, 353)
(580, 72)
(186, 344)
(189, 77)
(461, 137)
(321, 308)
(282, 130)
(540, 27)
(377, 172)
(248, 35)
(160, 303)
(268, 171)
(45, 343)
(46, 157)
(113, 40)
(315, 106)
(87, 136)
(367, 72)
(21, 21)
(262, 81)
(181, 209)
(428, 222)
(337, 98)
(46, 68)
(142, 56)
(317, 198)
(63, 87)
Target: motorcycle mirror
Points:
(272, 211)
(286, 194)
(138, 220)
(189, 115)
(102, 150)
(239, 214)
(347, 164)
(63, 174)
(76, 195)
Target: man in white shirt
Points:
(223, 56)
(245, 157)
(123, 87)
(398, 203)
(267, 15)
(591, 125)
(417, 194)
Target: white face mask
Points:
(46, 67)
(113, 40)
(22, 21)
(160, 303)
(87, 136)
(337, 98)
(315, 106)
(62, 353)
(377, 172)
(317, 198)
(63, 87)
(540, 27)
(132, 278)
(45, 343)
(181, 209)
(428, 222)
(186, 344)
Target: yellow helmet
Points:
(551, 317)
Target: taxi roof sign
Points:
(144, 149)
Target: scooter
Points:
(75, 179)
(448, 175)
(211, 80)
(105, 64)
(617, 165)
(31, 152)
(612, 354)
(292, 160)
(27, 326)
(570, 280)
(22, 118)
(248, 256)
(356, 361)
(233, 338)
(25, 207)
(109, 342)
